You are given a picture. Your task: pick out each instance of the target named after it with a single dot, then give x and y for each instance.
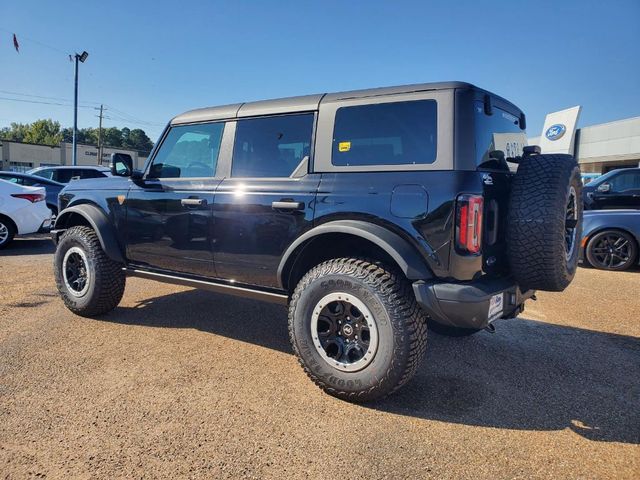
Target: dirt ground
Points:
(179, 383)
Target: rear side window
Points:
(625, 181)
(271, 146)
(189, 151)
(398, 133)
(64, 175)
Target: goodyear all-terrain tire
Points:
(544, 224)
(356, 329)
(90, 283)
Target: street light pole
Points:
(74, 154)
(82, 57)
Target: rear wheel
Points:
(612, 250)
(356, 328)
(89, 282)
(7, 232)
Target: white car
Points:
(22, 210)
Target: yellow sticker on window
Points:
(344, 146)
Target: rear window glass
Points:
(397, 133)
(499, 131)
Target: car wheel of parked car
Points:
(612, 250)
(7, 232)
(450, 331)
(544, 223)
(356, 328)
(89, 282)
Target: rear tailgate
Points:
(497, 186)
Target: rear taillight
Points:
(469, 223)
(32, 197)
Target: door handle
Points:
(193, 202)
(287, 205)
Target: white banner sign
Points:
(559, 131)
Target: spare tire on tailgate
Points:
(544, 223)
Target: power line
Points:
(24, 100)
(127, 116)
(42, 96)
(123, 116)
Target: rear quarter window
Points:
(46, 173)
(396, 133)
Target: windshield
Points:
(499, 131)
(603, 178)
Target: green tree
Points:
(48, 132)
(138, 140)
(112, 137)
(15, 132)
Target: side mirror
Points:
(121, 164)
(604, 188)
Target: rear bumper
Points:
(46, 226)
(467, 305)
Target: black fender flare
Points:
(100, 224)
(400, 250)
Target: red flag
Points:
(15, 43)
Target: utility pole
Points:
(82, 57)
(100, 137)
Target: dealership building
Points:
(17, 156)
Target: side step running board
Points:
(245, 292)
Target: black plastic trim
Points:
(466, 305)
(100, 224)
(218, 287)
(409, 260)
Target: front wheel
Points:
(90, 283)
(357, 329)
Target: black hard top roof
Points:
(304, 103)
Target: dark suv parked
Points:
(616, 189)
(369, 213)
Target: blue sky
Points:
(151, 60)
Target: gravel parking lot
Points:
(184, 383)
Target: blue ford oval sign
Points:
(555, 132)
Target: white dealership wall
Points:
(23, 156)
(603, 147)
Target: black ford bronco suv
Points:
(370, 213)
